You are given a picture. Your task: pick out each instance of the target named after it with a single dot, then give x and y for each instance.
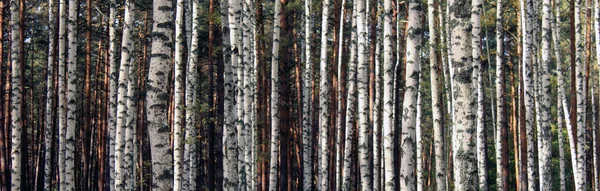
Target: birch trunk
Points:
(363, 98)
(178, 100)
(17, 98)
(130, 131)
(324, 92)
(307, 163)
(419, 138)
(463, 78)
(544, 133)
(581, 107)
(377, 140)
(72, 114)
(230, 160)
(351, 107)
(527, 19)
(157, 95)
(191, 151)
(340, 97)
(112, 111)
(50, 104)
(388, 92)
(597, 35)
(501, 128)
(413, 69)
(239, 17)
(274, 166)
(248, 96)
(435, 71)
(62, 92)
(476, 51)
(122, 110)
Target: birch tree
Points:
(581, 104)
(324, 92)
(363, 97)
(112, 111)
(69, 181)
(130, 131)
(122, 110)
(157, 95)
(191, 151)
(247, 93)
(17, 97)
(273, 166)
(62, 110)
(231, 157)
(527, 75)
(463, 78)
(377, 141)
(177, 96)
(340, 97)
(436, 97)
(480, 124)
(307, 164)
(544, 133)
(388, 92)
(413, 69)
(501, 131)
(50, 104)
(351, 107)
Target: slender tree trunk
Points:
(501, 124)
(527, 74)
(340, 97)
(17, 99)
(324, 92)
(435, 71)
(580, 103)
(157, 98)
(273, 166)
(388, 91)
(178, 99)
(377, 109)
(351, 107)
(62, 104)
(130, 131)
(72, 114)
(112, 111)
(478, 70)
(191, 151)
(363, 97)
(246, 92)
(544, 133)
(50, 105)
(307, 162)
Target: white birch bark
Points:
(338, 139)
(544, 132)
(122, 98)
(388, 92)
(377, 140)
(62, 88)
(178, 100)
(324, 92)
(247, 63)
(363, 98)
(191, 151)
(465, 172)
(72, 97)
(351, 107)
(130, 131)
(231, 141)
(274, 165)
(597, 39)
(16, 94)
(435, 71)
(307, 163)
(157, 95)
(419, 138)
(112, 111)
(239, 18)
(480, 124)
(500, 90)
(413, 69)
(527, 75)
(581, 104)
(50, 104)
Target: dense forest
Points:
(299, 95)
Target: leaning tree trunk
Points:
(544, 133)
(158, 128)
(581, 104)
(190, 150)
(72, 97)
(413, 68)
(464, 101)
(50, 104)
(351, 107)
(363, 97)
(388, 92)
(112, 111)
(324, 92)
(435, 71)
(17, 98)
(307, 163)
(122, 110)
(177, 96)
(273, 166)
